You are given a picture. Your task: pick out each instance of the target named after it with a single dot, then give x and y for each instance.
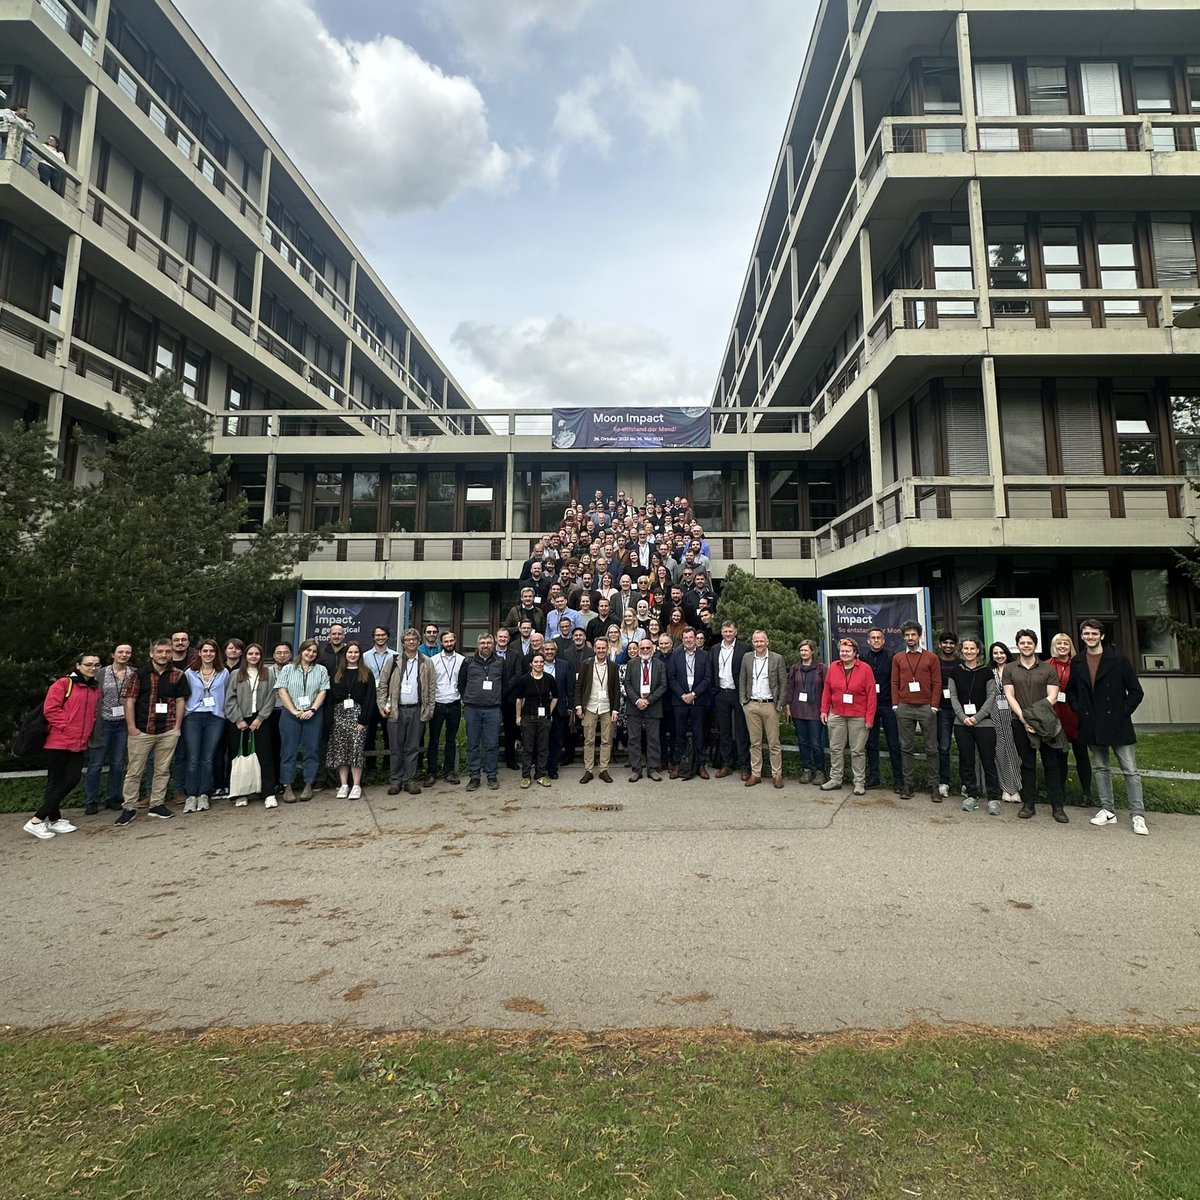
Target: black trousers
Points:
(982, 738)
(1054, 765)
(535, 746)
(64, 769)
(509, 742)
(558, 733)
(733, 747)
(446, 716)
(375, 723)
(688, 717)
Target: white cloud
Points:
(659, 108)
(494, 34)
(372, 125)
(558, 361)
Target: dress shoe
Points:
(745, 774)
(675, 771)
(1027, 811)
(724, 772)
(777, 781)
(586, 777)
(394, 790)
(703, 772)
(753, 780)
(605, 777)
(1060, 816)
(635, 777)
(412, 788)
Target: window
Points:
(522, 501)
(995, 96)
(1008, 267)
(708, 498)
(476, 618)
(364, 502)
(1185, 427)
(253, 486)
(480, 493)
(403, 516)
(966, 434)
(327, 498)
(664, 482)
(1080, 439)
(952, 266)
(1154, 92)
(1100, 86)
(289, 499)
(1092, 592)
(104, 320)
(1157, 644)
(1174, 254)
(1023, 433)
(1046, 87)
(739, 498)
(783, 497)
(555, 495)
(439, 509)
(940, 93)
(190, 377)
(1063, 263)
(1117, 255)
(1137, 442)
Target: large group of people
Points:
(612, 653)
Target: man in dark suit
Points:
(689, 683)
(645, 686)
(563, 674)
(726, 662)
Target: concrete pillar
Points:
(87, 142)
(70, 292)
(353, 300)
(875, 452)
(991, 422)
(269, 490)
(54, 421)
(752, 497)
(866, 274)
(860, 135)
(966, 78)
(264, 186)
(510, 479)
(979, 258)
(101, 22)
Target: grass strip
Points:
(928, 1113)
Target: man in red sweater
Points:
(848, 711)
(916, 697)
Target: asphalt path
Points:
(602, 907)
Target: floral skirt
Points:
(347, 739)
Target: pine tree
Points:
(766, 604)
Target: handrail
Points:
(74, 23)
(275, 238)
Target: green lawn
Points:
(1156, 751)
(1090, 1115)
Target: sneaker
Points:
(970, 804)
(526, 781)
(472, 785)
(270, 802)
(202, 803)
(494, 784)
(993, 808)
(943, 790)
(1104, 817)
(189, 805)
(91, 808)
(343, 793)
(307, 793)
(241, 802)
(356, 792)
(62, 825)
(39, 829)
(806, 777)
(289, 796)
(1011, 797)
(430, 780)
(543, 782)
(831, 785)
(127, 815)
(454, 779)
(162, 812)
(1139, 825)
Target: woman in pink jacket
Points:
(70, 710)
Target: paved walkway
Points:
(693, 904)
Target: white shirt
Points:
(725, 665)
(377, 659)
(760, 677)
(445, 669)
(598, 700)
(410, 674)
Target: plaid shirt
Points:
(148, 688)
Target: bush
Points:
(771, 606)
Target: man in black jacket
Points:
(733, 742)
(563, 673)
(879, 659)
(645, 687)
(1104, 691)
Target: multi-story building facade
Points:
(952, 362)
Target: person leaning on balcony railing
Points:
(15, 121)
(48, 173)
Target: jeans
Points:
(447, 716)
(298, 736)
(112, 743)
(483, 740)
(945, 739)
(202, 734)
(810, 744)
(885, 721)
(1127, 764)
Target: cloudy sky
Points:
(562, 194)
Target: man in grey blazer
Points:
(762, 686)
(645, 686)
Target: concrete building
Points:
(952, 361)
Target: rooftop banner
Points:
(630, 428)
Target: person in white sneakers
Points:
(70, 712)
(352, 694)
(1103, 689)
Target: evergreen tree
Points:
(766, 604)
(148, 549)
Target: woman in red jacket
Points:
(848, 710)
(70, 710)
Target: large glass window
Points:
(1117, 254)
(1092, 592)
(289, 499)
(1137, 440)
(556, 495)
(480, 500)
(783, 497)
(1157, 644)
(403, 515)
(327, 498)
(1046, 87)
(1062, 259)
(439, 504)
(664, 483)
(952, 266)
(364, 502)
(708, 498)
(1008, 266)
(1185, 428)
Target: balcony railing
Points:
(39, 162)
(20, 330)
(319, 285)
(77, 27)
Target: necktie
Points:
(646, 674)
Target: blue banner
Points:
(630, 428)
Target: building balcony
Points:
(19, 170)
(42, 33)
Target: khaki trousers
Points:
(851, 730)
(162, 746)
(762, 720)
(590, 720)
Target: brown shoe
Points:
(753, 780)
(605, 777)
(745, 775)
(413, 789)
(586, 777)
(777, 781)
(724, 772)
(703, 773)
(675, 771)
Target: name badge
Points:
(161, 709)
(347, 704)
(208, 702)
(541, 712)
(1060, 699)
(945, 693)
(969, 709)
(914, 686)
(487, 685)
(303, 701)
(645, 689)
(117, 711)
(847, 697)
(877, 689)
(803, 697)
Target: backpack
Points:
(34, 729)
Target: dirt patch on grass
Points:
(359, 990)
(524, 1004)
(876, 802)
